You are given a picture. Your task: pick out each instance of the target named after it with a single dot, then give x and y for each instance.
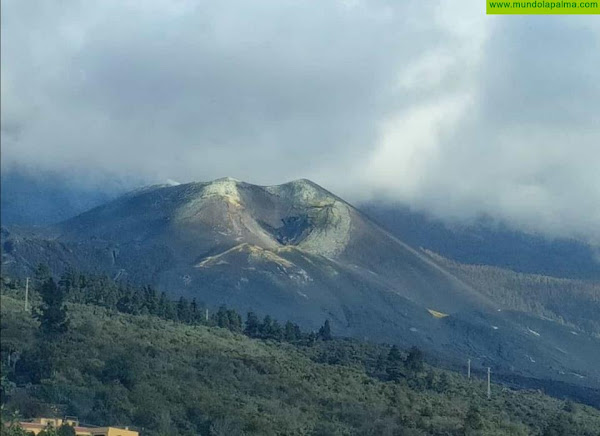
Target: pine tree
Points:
(325, 331)
(290, 332)
(52, 314)
(445, 383)
(394, 367)
(125, 302)
(252, 325)
(276, 331)
(414, 360)
(194, 314)
(42, 273)
(151, 300)
(221, 318)
(170, 310)
(137, 303)
(394, 354)
(234, 321)
(162, 309)
(299, 334)
(183, 310)
(265, 329)
(68, 280)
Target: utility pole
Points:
(26, 294)
(489, 389)
(469, 369)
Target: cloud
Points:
(523, 142)
(429, 103)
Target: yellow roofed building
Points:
(38, 424)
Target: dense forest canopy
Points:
(115, 354)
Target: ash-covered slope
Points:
(298, 252)
(194, 227)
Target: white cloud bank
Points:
(430, 103)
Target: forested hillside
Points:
(186, 376)
(571, 302)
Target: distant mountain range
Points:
(487, 242)
(298, 252)
(46, 198)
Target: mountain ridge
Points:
(43, 198)
(299, 252)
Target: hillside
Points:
(300, 253)
(570, 302)
(177, 379)
(485, 241)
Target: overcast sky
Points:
(428, 103)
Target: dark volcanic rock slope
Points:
(298, 252)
